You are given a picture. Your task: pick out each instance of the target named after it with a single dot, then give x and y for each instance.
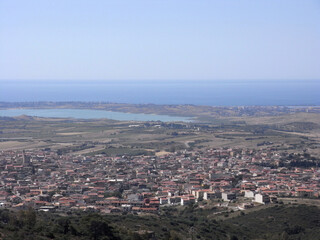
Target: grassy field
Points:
(293, 132)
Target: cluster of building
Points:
(47, 181)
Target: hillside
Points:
(276, 222)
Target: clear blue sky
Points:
(159, 39)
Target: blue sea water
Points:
(214, 93)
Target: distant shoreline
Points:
(197, 112)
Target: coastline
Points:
(195, 112)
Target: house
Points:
(244, 206)
(174, 200)
(209, 195)
(249, 194)
(303, 192)
(163, 200)
(187, 200)
(47, 208)
(262, 198)
(228, 196)
(5, 204)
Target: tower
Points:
(25, 159)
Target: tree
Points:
(174, 236)
(95, 227)
(30, 217)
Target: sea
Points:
(201, 92)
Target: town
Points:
(229, 178)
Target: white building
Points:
(187, 201)
(209, 195)
(262, 198)
(248, 194)
(228, 196)
(163, 200)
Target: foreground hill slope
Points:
(276, 222)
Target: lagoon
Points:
(90, 114)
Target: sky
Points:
(159, 39)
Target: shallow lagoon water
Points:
(90, 114)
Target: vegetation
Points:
(277, 222)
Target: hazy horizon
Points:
(154, 40)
